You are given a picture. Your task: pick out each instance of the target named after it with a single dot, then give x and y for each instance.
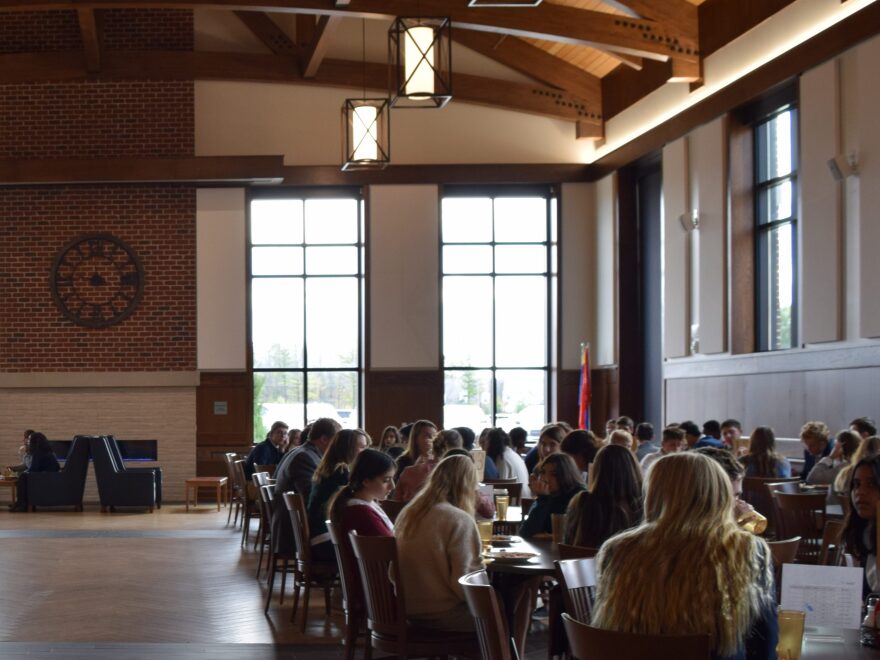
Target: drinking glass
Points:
(485, 533)
(791, 634)
(502, 500)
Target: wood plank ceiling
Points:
(573, 52)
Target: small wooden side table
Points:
(10, 483)
(219, 484)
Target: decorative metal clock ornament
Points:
(97, 280)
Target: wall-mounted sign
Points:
(221, 408)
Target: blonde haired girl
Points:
(688, 568)
(437, 543)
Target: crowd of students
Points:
(672, 558)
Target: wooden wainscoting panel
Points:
(567, 386)
(606, 397)
(224, 418)
(395, 397)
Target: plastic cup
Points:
(557, 520)
(791, 634)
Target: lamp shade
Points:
(366, 134)
(420, 56)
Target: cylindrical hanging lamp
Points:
(420, 59)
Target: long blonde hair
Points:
(688, 568)
(869, 447)
(453, 481)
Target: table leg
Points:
(219, 490)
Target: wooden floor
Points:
(136, 585)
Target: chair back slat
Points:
(260, 478)
(588, 643)
(489, 621)
(377, 559)
(352, 594)
(299, 520)
(802, 515)
(577, 578)
(241, 479)
(832, 548)
(268, 469)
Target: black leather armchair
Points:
(120, 487)
(66, 487)
(120, 463)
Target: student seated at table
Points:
(414, 477)
(859, 532)
(688, 568)
(762, 459)
(612, 502)
(419, 444)
(549, 442)
(331, 475)
(42, 459)
(355, 507)
(23, 455)
(510, 464)
(560, 481)
(827, 468)
(582, 447)
(437, 543)
(869, 447)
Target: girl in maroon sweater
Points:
(355, 507)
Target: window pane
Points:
(467, 259)
(276, 322)
(775, 148)
(521, 400)
(332, 322)
(333, 394)
(777, 202)
(467, 220)
(331, 221)
(467, 321)
(520, 220)
(467, 399)
(278, 221)
(781, 283)
(520, 259)
(278, 396)
(331, 261)
(520, 321)
(277, 261)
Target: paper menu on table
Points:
(830, 595)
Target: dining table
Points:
(826, 643)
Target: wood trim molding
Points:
(98, 379)
(842, 355)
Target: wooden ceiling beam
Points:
(552, 22)
(268, 32)
(680, 13)
(314, 52)
(91, 38)
(532, 61)
(187, 65)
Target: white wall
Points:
(578, 272)
(676, 250)
(303, 124)
(221, 278)
(604, 342)
(403, 277)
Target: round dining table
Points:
(823, 643)
(541, 564)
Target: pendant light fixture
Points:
(366, 127)
(420, 60)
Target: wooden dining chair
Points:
(567, 551)
(832, 546)
(233, 491)
(577, 578)
(588, 643)
(489, 619)
(756, 493)
(525, 504)
(782, 552)
(259, 479)
(249, 503)
(802, 515)
(512, 486)
(268, 469)
(386, 606)
(264, 502)
(392, 508)
(309, 572)
(352, 593)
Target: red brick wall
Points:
(157, 222)
(97, 119)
